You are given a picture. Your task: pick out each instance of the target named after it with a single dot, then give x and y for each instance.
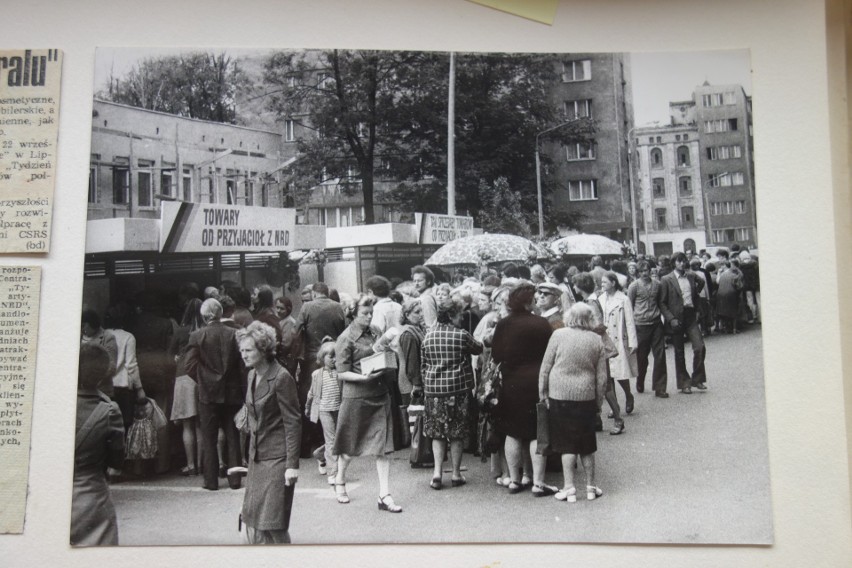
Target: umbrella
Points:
(488, 249)
(586, 245)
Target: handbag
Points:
(241, 420)
(488, 393)
(421, 446)
(542, 429)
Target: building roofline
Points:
(161, 113)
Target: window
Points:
(685, 137)
(724, 152)
(743, 234)
(121, 181)
(93, 184)
(187, 184)
(660, 218)
(292, 81)
(650, 140)
(721, 125)
(322, 78)
(726, 179)
(578, 109)
(677, 137)
(145, 183)
(685, 185)
(740, 207)
(582, 190)
(659, 139)
(658, 188)
(166, 183)
(230, 190)
(577, 70)
(656, 158)
(682, 156)
(581, 151)
(248, 187)
(289, 130)
(719, 99)
(687, 217)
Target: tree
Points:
(357, 103)
(501, 210)
(388, 110)
(194, 85)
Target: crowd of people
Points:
(512, 364)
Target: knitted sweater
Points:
(574, 367)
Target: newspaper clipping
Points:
(19, 306)
(29, 123)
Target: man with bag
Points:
(212, 360)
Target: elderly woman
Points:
(364, 422)
(99, 444)
(274, 421)
(621, 328)
(448, 384)
(519, 342)
(572, 382)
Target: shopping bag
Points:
(401, 432)
(421, 446)
(141, 440)
(542, 429)
(158, 417)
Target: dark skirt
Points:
(364, 427)
(447, 417)
(266, 505)
(572, 426)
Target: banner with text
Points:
(202, 227)
(440, 229)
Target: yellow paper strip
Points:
(543, 11)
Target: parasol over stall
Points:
(487, 249)
(586, 245)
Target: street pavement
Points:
(688, 469)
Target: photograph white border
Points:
(801, 172)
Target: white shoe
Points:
(331, 479)
(593, 492)
(321, 468)
(567, 494)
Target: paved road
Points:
(689, 469)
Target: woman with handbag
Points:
(275, 424)
(571, 384)
(365, 421)
(448, 385)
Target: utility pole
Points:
(451, 142)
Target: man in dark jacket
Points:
(679, 306)
(212, 359)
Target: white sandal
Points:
(567, 494)
(593, 492)
(342, 496)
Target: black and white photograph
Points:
(358, 296)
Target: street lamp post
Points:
(538, 173)
(633, 223)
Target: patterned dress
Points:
(448, 381)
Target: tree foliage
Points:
(501, 210)
(386, 113)
(195, 85)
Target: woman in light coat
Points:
(621, 328)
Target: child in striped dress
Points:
(323, 402)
